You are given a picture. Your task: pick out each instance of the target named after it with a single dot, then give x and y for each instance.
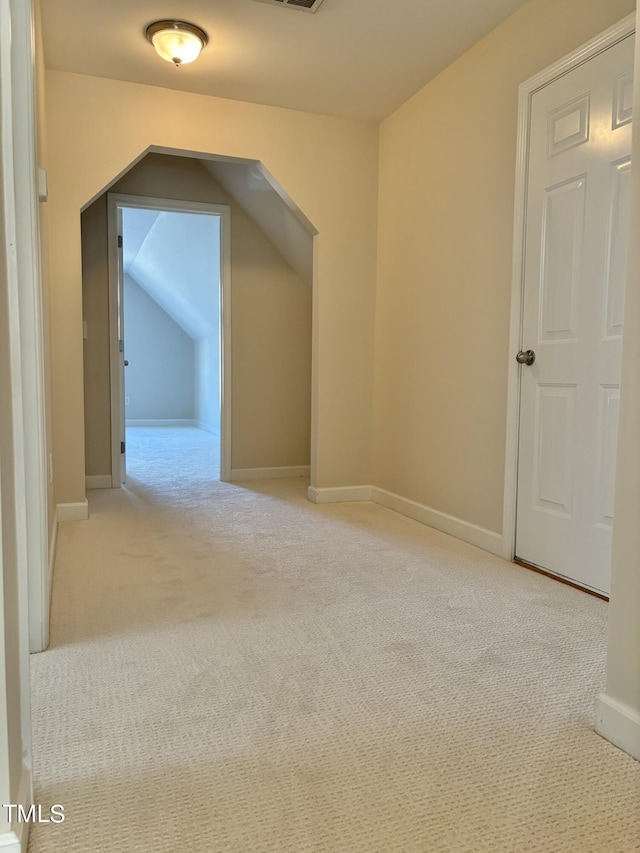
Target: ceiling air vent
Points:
(305, 5)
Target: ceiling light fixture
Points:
(177, 41)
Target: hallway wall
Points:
(447, 182)
(271, 327)
(159, 379)
(98, 127)
(207, 377)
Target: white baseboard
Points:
(17, 840)
(214, 430)
(464, 530)
(74, 511)
(239, 474)
(339, 494)
(618, 723)
(161, 422)
(25, 796)
(11, 843)
(98, 481)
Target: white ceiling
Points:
(354, 58)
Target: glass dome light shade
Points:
(177, 41)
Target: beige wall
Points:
(271, 326)
(447, 176)
(95, 349)
(97, 127)
(160, 377)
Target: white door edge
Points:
(606, 39)
(31, 324)
(116, 201)
(16, 22)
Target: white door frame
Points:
(22, 538)
(605, 40)
(114, 202)
(31, 323)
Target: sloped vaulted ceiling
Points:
(175, 257)
(288, 230)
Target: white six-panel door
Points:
(577, 219)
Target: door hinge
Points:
(122, 447)
(120, 346)
(119, 241)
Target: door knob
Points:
(126, 363)
(526, 357)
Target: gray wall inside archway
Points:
(271, 325)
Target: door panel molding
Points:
(600, 43)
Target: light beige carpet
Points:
(235, 669)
